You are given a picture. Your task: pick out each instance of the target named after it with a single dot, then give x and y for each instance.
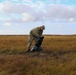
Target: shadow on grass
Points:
(44, 54)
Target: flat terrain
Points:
(58, 58)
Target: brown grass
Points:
(58, 58)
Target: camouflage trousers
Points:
(30, 40)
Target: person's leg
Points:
(34, 48)
(30, 42)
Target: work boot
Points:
(34, 49)
(28, 50)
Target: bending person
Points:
(34, 35)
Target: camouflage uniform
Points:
(34, 33)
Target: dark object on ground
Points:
(37, 46)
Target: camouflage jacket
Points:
(36, 32)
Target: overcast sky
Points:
(20, 16)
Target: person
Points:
(34, 34)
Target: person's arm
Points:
(35, 34)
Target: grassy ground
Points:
(58, 58)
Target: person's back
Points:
(36, 32)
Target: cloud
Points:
(16, 8)
(29, 12)
(23, 7)
(38, 11)
(7, 24)
(72, 20)
(27, 17)
(59, 11)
